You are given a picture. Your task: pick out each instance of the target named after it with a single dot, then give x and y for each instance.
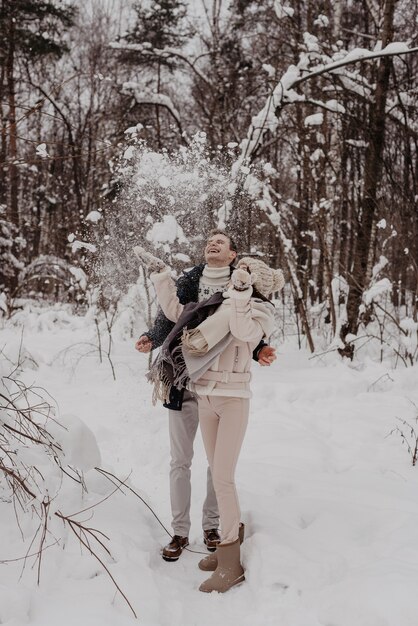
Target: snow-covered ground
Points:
(330, 501)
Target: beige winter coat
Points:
(248, 319)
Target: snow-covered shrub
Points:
(38, 316)
(45, 464)
(409, 339)
(54, 277)
(42, 459)
(31, 459)
(383, 334)
(37, 449)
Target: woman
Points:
(210, 350)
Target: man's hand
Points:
(267, 355)
(151, 262)
(144, 344)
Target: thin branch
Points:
(82, 533)
(109, 474)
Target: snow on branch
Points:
(358, 54)
(144, 97)
(282, 11)
(358, 85)
(284, 93)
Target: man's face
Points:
(217, 251)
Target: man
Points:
(194, 286)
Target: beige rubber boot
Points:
(210, 562)
(229, 571)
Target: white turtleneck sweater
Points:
(213, 279)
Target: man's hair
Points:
(219, 231)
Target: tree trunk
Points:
(357, 280)
(3, 141)
(13, 170)
(157, 108)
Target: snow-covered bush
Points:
(42, 459)
(409, 339)
(383, 334)
(52, 276)
(50, 475)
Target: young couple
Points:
(211, 323)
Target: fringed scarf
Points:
(169, 368)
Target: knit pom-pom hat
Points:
(265, 279)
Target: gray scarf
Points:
(169, 368)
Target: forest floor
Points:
(329, 497)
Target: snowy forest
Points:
(293, 126)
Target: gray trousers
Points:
(182, 427)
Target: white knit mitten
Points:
(151, 262)
(242, 280)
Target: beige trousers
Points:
(223, 422)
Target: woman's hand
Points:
(266, 356)
(241, 279)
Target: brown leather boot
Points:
(172, 551)
(210, 563)
(229, 571)
(211, 538)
